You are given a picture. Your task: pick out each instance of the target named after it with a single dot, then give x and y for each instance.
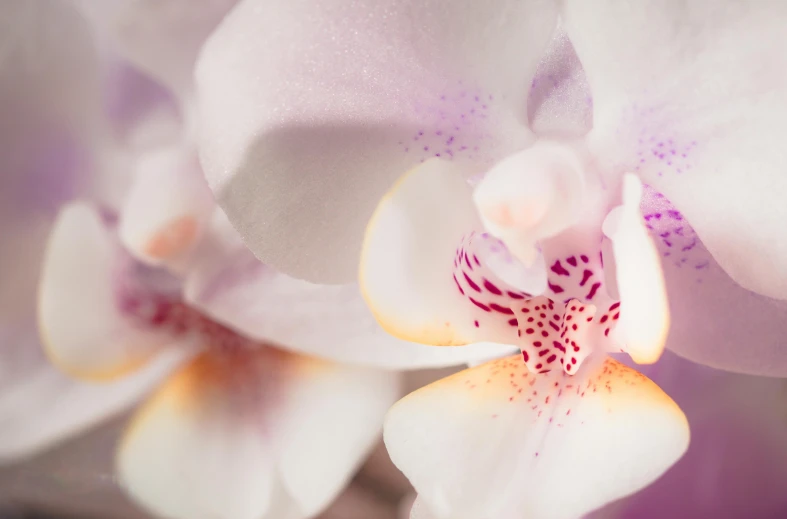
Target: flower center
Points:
(151, 299)
(531, 195)
(548, 213)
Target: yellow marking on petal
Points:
(173, 238)
(430, 335)
(109, 374)
(507, 380)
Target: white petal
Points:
(333, 418)
(311, 110)
(693, 96)
(418, 270)
(497, 441)
(560, 104)
(167, 207)
(201, 448)
(81, 318)
(237, 432)
(49, 98)
(40, 406)
(143, 31)
(49, 69)
(420, 510)
(228, 283)
(714, 321)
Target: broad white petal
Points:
(49, 80)
(162, 37)
(310, 110)
(167, 206)
(714, 320)
(201, 447)
(81, 315)
(228, 283)
(498, 441)
(693, 96)
(235, 433)
(560, 104)
(332, 419)
(40, 406)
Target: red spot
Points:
(553, 325)
(502, 309)
(539, 366)
(471, 283)
(614, 306)
(514, 295)
(543, 352)
(467, 260)
(558, 269)
(593, 290)
(551, 359)
(555, 288)
(482, 306)
(615, 317)
(572, 261)
(492, 288)
(476, 323)
(603, 318)
(458, 285)
(525, 356)
(536, 343)
(530, 331)
(544, 333)
(584, 258)
(526, 310)
(513, 322)
(586, 275)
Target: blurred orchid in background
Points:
(565, 239)
(142, 273)
(552, 191)
(53, 140)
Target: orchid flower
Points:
(257, 431)
(138, 277)
(50, 97)
(566, 245)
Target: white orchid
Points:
(50, 97)
(142, 273)
(564, 243)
